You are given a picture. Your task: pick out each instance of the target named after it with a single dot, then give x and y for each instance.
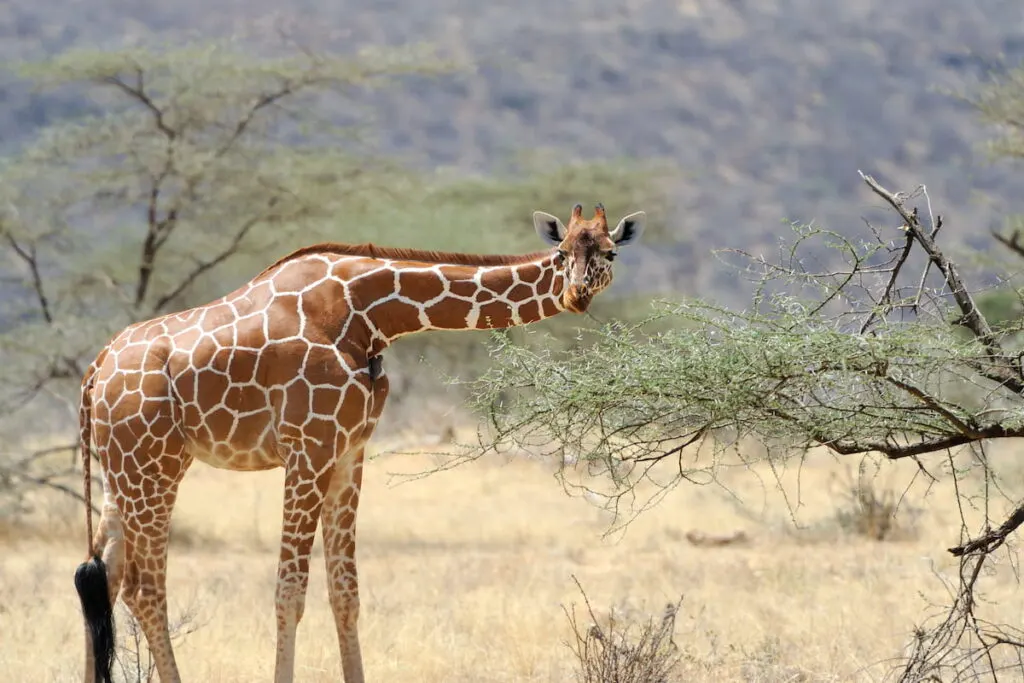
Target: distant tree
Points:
(999, 102)
(888, 355)
(201, 156)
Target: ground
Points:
(465, 574)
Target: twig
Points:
(43, 452)
(287, 88)
(138, 92)
(936, 222)
(887, 292)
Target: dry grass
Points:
(465, 575)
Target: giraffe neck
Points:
(427, 296)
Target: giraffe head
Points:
(586, 249)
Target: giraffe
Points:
(286, 372)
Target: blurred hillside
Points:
(768, 107)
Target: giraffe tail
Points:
(91, 584)
(91, 575)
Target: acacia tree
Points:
(195, 158)
(886, 353)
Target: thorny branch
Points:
(1002, 370)
(989, 542)
(896, 451)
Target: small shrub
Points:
(872, 510)
(134, 658)
(624, 649)
(764, 664)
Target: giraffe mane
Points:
(370, 250)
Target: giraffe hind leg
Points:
(144, 488)
(145, 573)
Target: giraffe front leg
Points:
(308, 474)
(339, 530)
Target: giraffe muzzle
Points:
(577, 298)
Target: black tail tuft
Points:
(91, 584)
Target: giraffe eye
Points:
(610, 255)
(562, 255)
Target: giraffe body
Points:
(286, 371)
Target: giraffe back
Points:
(219, 379)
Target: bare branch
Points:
(18, 473)
(138, 93)
(1012, 242)
(927, 268)
(993, 539)
(288, 88)
(205, 266)
(29, 256)
(884, 300)
(158, 230)
(971, 316)
(973, 319)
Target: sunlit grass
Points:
(464, 575)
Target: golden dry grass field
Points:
(465, 573)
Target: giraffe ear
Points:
(549, 228)
(629, 229)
